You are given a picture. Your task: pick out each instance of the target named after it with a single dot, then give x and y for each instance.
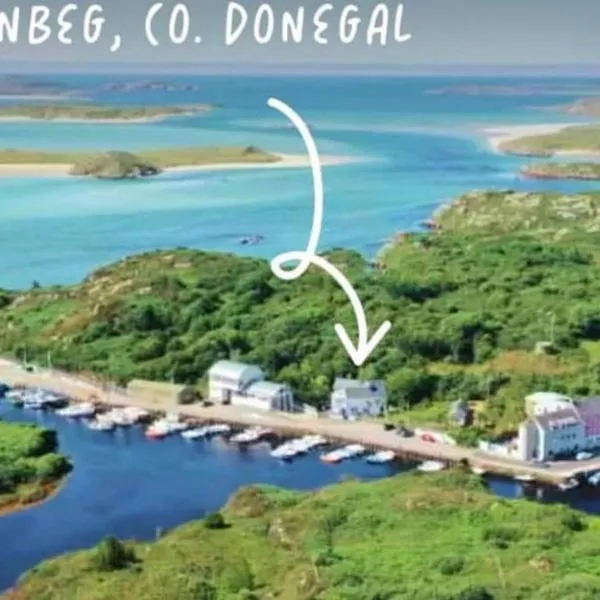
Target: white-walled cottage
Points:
(352, 399)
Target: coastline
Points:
(49, 490)
(498, 136)
(286, 161)
(116, 121)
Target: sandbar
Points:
(498, 136)
(287, 161)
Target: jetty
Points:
(369, 434)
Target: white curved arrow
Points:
(305, 258)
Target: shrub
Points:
(451, 565)
(215, 521)
(573, 522)
(111, 554)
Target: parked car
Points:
(426, 437)
(388, 426)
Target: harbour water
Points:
(126, 485)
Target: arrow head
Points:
(359, 354)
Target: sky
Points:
(444, 32)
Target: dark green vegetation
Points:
(30, 468)
(114, 165)
(579, 138)
(469, 306)
(587, 171)
(95, 112)
(440, 537)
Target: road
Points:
(363, 432)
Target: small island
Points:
(126, 165)
(559, 139)
(94, 113)
(31, 470)
(585, 171)
(149, 85)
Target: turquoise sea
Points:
(419, 150)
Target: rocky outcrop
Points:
(115, 165)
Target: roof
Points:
(564, 417)
(360, 390)
(588, 406)
(231, 369)
(547, 397)
(265, 388)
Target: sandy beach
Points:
(497, 136)
(287, 161)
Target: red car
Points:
(428, 438)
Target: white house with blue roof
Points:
(241, 384)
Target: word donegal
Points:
(164, 24)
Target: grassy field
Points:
(91, 112)
(584, 138)
(163, 158)
(413, 537)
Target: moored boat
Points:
(80, 410)
(568, 484)
(431, 466)
(378, 458)
(526, 477)
(251, 435)
(194, 434)
(101, 423)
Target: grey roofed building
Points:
(354, 398)
(233, 371)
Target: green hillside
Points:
(413, 537)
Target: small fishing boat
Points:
(352, 450)
(378, 458)
(568, 484)
(218, 429)
(194, 434)
(251, 240)
(76, 411)
(431, 466)
(250, 435)
(335, 456)
(526, 478)
(594, 478)
(101, 423)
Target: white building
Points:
(241, 384)
(548, 435)
(541, 403)
(352, 399)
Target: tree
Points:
(111, 555)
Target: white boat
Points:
(16, 394)
(248, 436)
(478, 471)
(431, 466)
(218, 429)
(584, 456)
(101, 423)
(352, 450)
(334, 456)
(194, 434)
(525, 477)
(82, 410)
(378, 458)
(568, 484)
(594, 478)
